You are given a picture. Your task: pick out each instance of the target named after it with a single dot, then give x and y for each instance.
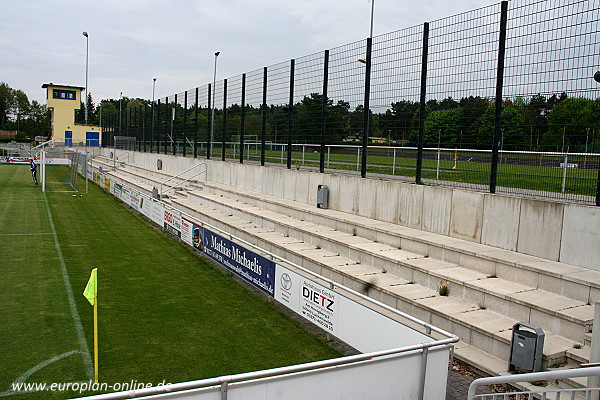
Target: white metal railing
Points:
(240, 382)
(533, 377)
(183, 181)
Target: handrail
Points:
(273, 372)
(185, 180)
(534, 376)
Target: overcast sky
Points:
(133, 41)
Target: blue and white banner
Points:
(254, 268)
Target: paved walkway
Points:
(459, 380)
(458, 386)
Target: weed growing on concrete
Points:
(354, 231)
(577, 346)
(444, 288)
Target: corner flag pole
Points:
(91, 294)
(96, 337)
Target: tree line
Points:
(540, 123)
(555, 122)
(17, 113)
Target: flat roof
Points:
(45, 85)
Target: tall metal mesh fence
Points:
(510, 105)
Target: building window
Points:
(64, 94)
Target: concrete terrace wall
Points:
(568, 233)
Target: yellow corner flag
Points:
(91, 294)
(90, 291)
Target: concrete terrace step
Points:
(488, 330)
(560, 278)
(559, 314)
(484, 291)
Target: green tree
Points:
(569, 121)
(442, 127)
(512, 136)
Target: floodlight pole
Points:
(87, 41)
(212, 119)
(372, 12)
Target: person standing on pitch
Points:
(33, 166)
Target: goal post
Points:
(61, 168)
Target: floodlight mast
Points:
(212, 119)
(87, 41)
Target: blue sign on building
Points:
(252, 267)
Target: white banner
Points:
(356, 324)
(314, 302)
(152, 210)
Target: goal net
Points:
(60, 170)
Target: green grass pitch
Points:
(165, 314)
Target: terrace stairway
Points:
(490, 289)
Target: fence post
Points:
(598, 185)
(498, 105)
(224, 119)
(242, 118)
(290, 114)
(324, 112)
(166, 121)
(367, 108)
(185, 139)
(422, 98)
(144, 126)
(196, 125)
(210, 118)
(158, 131)
(173, 129)
(152, 128)
(263, 138)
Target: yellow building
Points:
(62, 101)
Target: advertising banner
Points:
(353, 322)
(314, 302)
(118, 190)
(252, 267)
(172, 223)
(134, 200)
(125, 194)
(153, 210)
(192, 233)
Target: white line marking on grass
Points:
(26, 234)
(87, 358)
(16, 199)
(33, 370)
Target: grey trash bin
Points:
(526, 349)
(322, 196)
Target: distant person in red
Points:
(33, 167)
